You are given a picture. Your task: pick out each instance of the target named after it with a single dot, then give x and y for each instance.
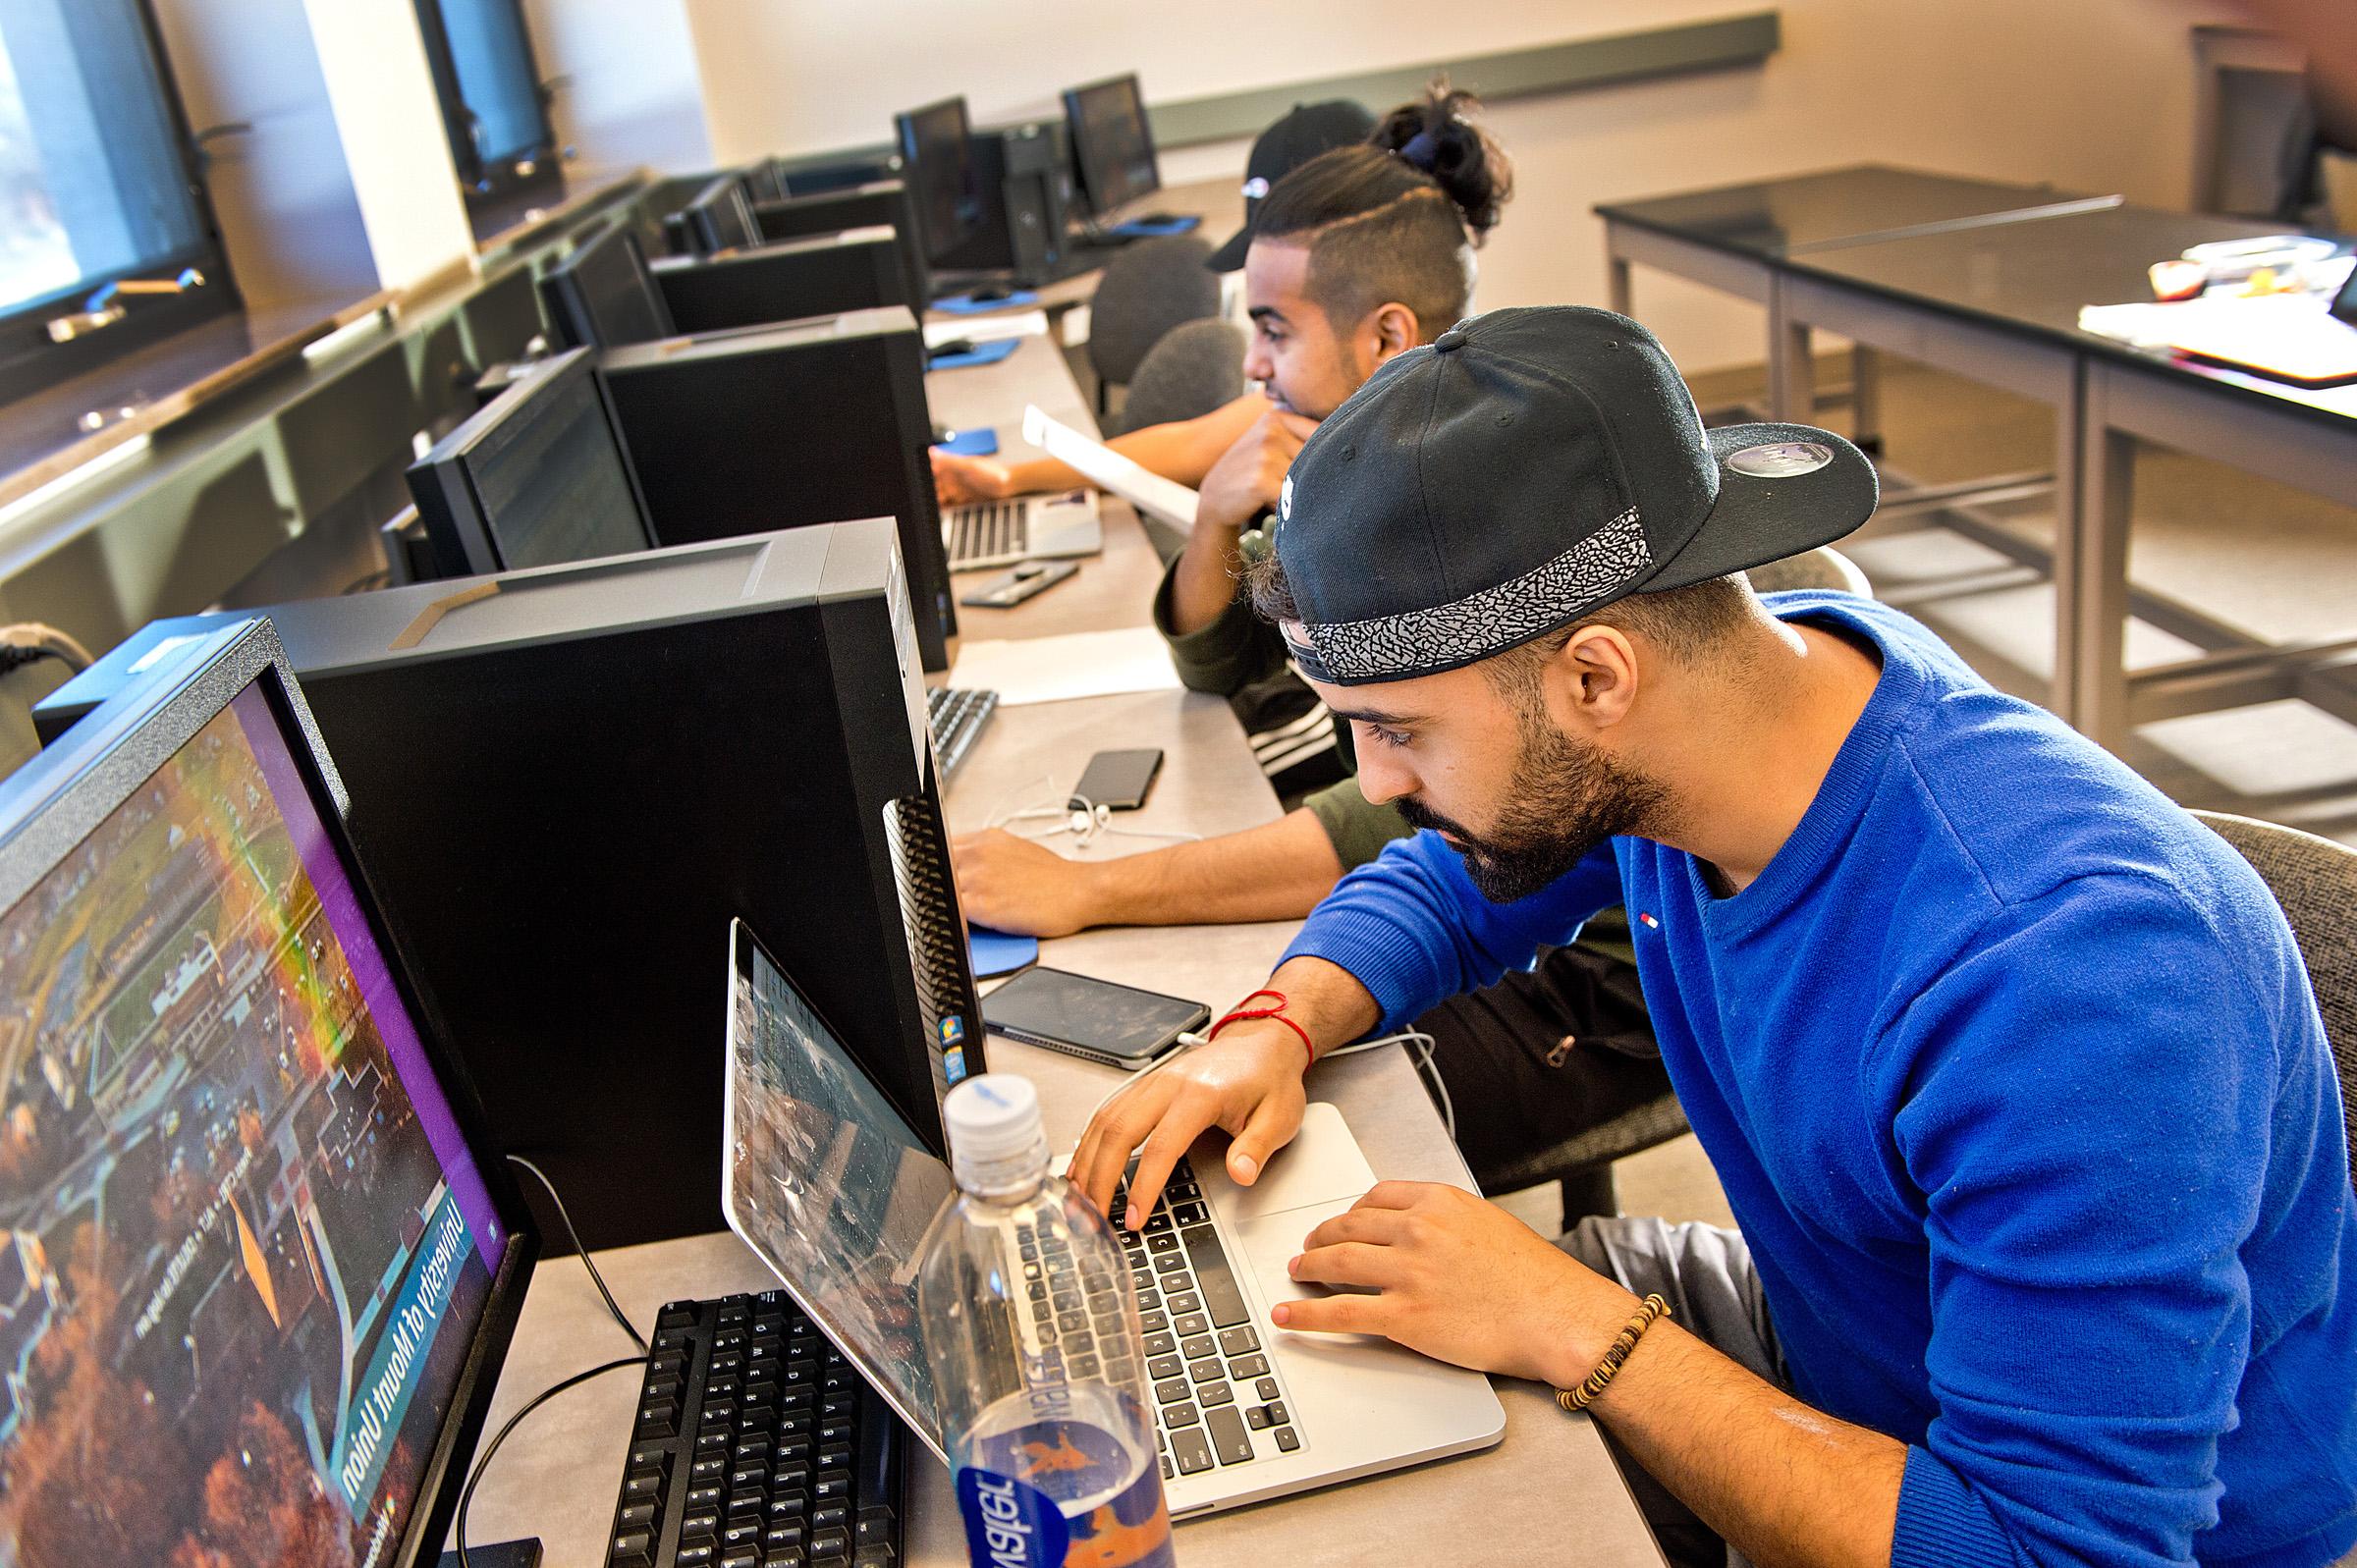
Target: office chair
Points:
(1821, 567)
(2315, 881)
(1148, 288)
(1196, 367)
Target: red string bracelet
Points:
(1242, 1014)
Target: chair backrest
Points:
(1196, 368)
(1148, 288)
(2315, 880)
(1821, 568)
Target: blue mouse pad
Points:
(1140, 228)
(981, 353)
(979, 442)
(997, 953)
(965, 304)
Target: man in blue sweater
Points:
(2010, 1069)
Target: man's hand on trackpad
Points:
(1247, 1083)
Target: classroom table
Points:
(557, 1477)
(1995, 297)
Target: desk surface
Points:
(2034, 275)
(557, 1474)
(1832, 207)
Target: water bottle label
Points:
(1010, 1523)
(1105, 1498)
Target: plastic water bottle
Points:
(1047, 1426)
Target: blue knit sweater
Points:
(2019, 1094)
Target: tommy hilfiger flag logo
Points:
(1651, 924)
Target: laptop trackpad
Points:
(1322, 1165)
(1272, 1242)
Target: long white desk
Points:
(557, 1477)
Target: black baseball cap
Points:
(1525, 469)
(1308, 130)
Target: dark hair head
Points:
(1396, 218)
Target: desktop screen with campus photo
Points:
(244, 1248)
(826, 1181)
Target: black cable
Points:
(595, 1277)
(467, 1497)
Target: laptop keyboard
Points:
(958, 715)
(756, 1443)
(1217, 1398)
(989, 533)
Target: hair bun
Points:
(1435, 134)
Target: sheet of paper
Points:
(1149, 492)
(1082, 664)
(986, 329)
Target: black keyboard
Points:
(958, 715)
(1217, 1397)
(757, 1445)
(989, 533)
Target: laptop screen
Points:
(244, 1249)
(826, 1181)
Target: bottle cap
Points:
(997, 1138)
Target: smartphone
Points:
(1095, 1020)
(1012, 588)
(1118, 780)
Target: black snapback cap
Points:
(1304, 131)
(1526, 468)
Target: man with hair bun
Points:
(1356, 256)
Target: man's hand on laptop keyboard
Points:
(1459, 1279)
(1249, 1081)
(957, 480)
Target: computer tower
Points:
(565, 783)
(1028, 187)
(879, 201)
(804, 423)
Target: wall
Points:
(2095, 95)
(631, 95)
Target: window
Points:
(490, 89)
(106, 242)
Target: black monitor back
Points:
(862, 206)
(721, 218)
(538, 478)
(565, 789)
(822, 275)
(808, 422)
(603, 294)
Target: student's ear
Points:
(1595, 677)
(1393, 330)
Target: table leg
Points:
(1616, 281)
(1792, 370)
(2091, 554)
(1866, 397)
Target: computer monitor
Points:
(879, 201)
(260, 1267)
(765, 181)
(603, 293)
(1112, 146)
(566, 782)
(940, 169)
(719, 218)
(801, 423)
(785, 280)
(538, 478)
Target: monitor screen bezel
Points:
(1089, 177)
(464, 535)
(63, 795)
(935, 246)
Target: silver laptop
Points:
(1000, 534)
(825, 1180)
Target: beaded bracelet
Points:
(1577, 1399)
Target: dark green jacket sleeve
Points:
(1225, 656)
(1358, 830)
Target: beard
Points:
(1564, 800)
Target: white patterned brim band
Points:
(1422, 642)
